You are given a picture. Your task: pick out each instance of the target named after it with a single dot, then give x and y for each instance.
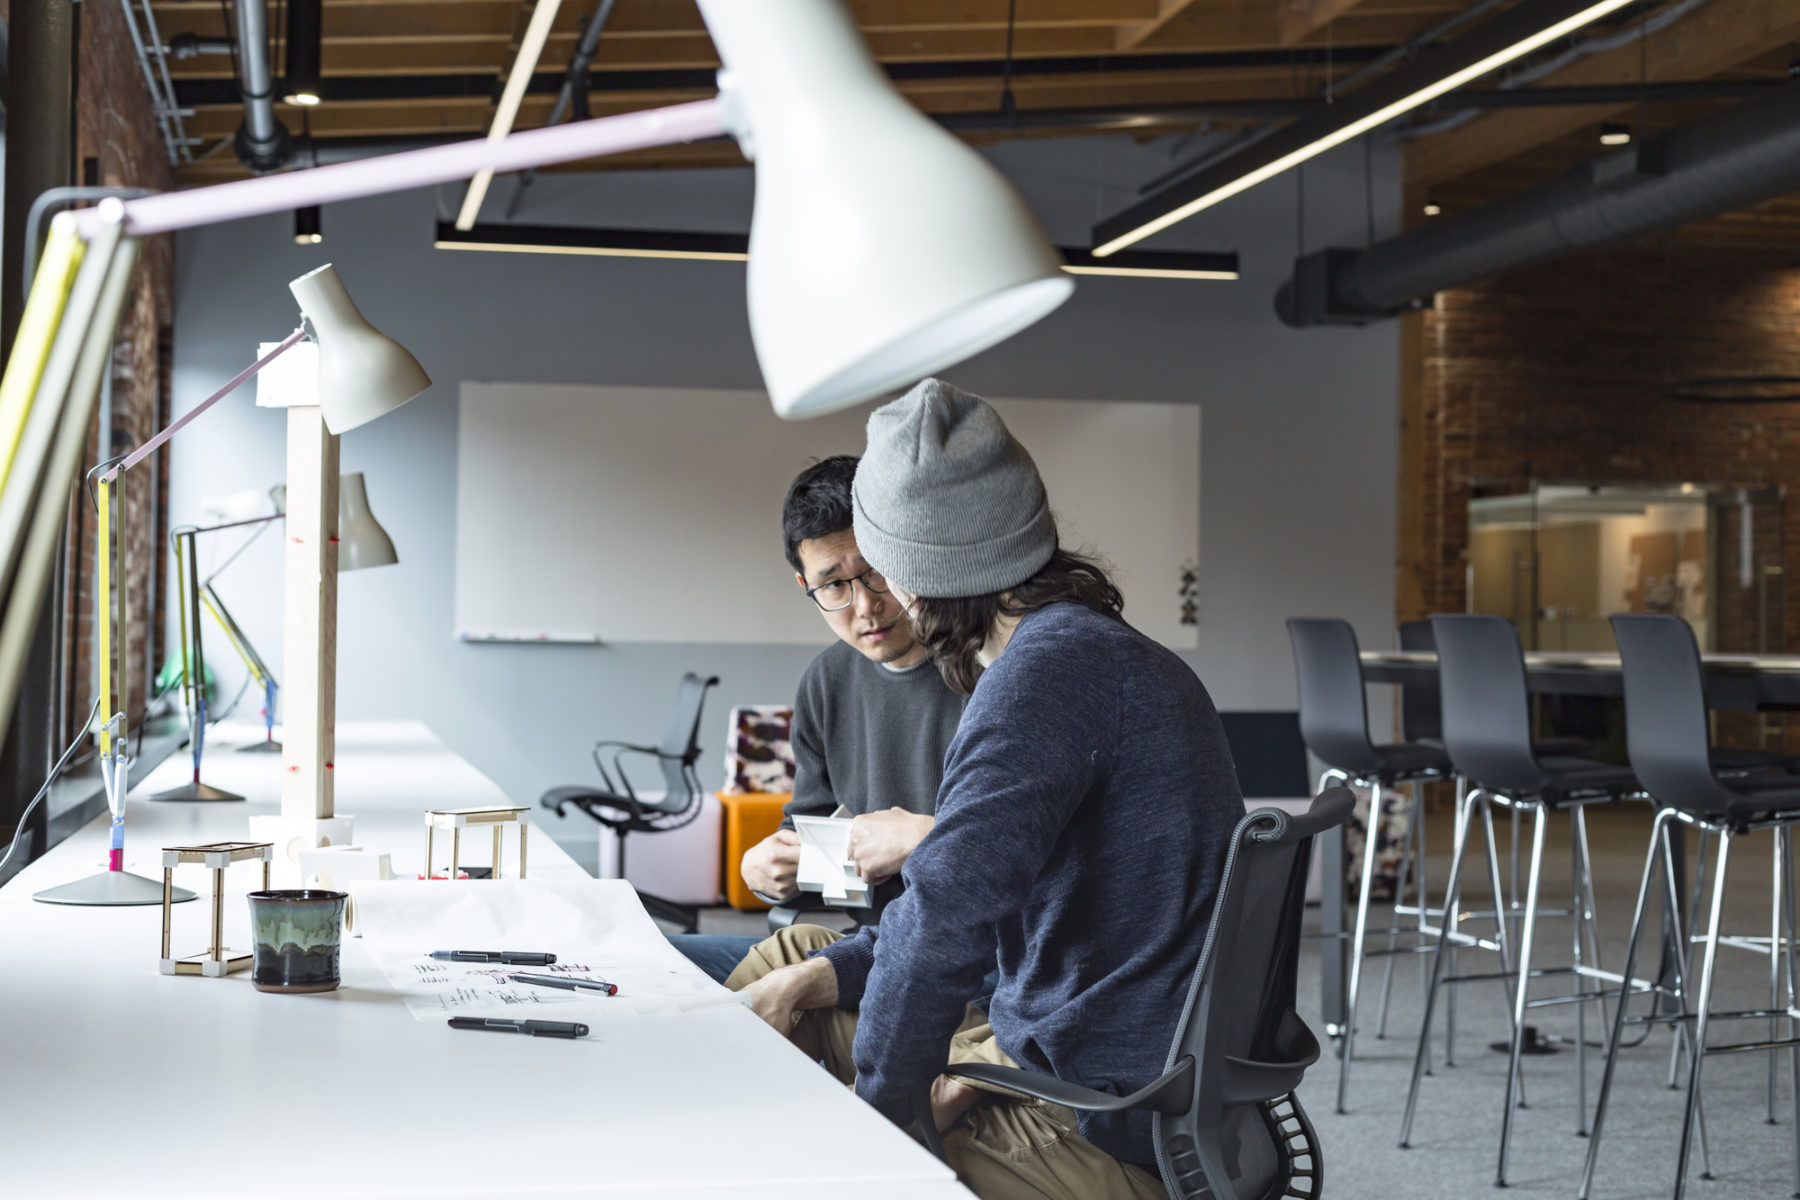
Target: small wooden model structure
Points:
(458, 819)
(216, 856)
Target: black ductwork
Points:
(1718, 163)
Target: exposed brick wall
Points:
(117, 144)
(1557, 374)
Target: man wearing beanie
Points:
(1082, 824)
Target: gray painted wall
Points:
(1298, 429)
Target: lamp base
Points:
(196, 791)
(110, 888)
(260, 748)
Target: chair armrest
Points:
(928, 1130)
(632, 746)
(1171, 1094)
(620, 749)
(784, 912)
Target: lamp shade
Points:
(363, 373)
(882, 248)
(362, 542)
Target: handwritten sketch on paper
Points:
(596, 928)
(458, 988)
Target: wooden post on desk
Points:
(309, 627)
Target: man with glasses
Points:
(872, 719)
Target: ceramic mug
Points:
(297, 932)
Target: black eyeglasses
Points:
(839, 594)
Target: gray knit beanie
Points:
(946, 503)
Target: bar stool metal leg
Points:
(1684, 921)
(1502, 934)
(1411, 848)
(1452, 917)
(1679, 966)
(1775, 867)
(1522, 989)
(1437, 965)
(1698, 1050)
(1785, 841)
(1651, 858)
(1577, 937)
(1371, 840)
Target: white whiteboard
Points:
(654, 514)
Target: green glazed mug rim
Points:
(298, 896)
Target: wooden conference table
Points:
(1736, 682)
(118, 1081)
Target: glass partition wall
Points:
(1558, 559)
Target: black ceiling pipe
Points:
(262, 142)
(1715, 164)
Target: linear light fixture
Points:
(1153, 264)
(1512, 35)
(735, 247)
(537, 32)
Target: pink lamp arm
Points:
(287, 190)
(148, 448)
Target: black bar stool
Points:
(1666, 733)
(1487, 730)
(1334, 721)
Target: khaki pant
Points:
(1008, 1147)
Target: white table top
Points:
(116, 1080)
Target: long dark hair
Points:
(956, 630)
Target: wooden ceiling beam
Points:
(1718, 37)
(1131, 36)
(1300, 19)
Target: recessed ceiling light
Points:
(1615, 135)
(1432, 210)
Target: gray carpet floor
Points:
(1455, 1142)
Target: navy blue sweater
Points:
(1087, 803)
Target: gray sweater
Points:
(1087, 804)
(868, 739)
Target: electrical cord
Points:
(45, 790)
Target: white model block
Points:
(292, 835)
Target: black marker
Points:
(555, 1029)
(517, 958)
(568, 983)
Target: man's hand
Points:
(881, 841)
(770, 866)
(950, 1099)
(783, 994)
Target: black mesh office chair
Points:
(1227, 1125)
(1667, 736)
(1487, 729)
(1334, 720)
(618, 806)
